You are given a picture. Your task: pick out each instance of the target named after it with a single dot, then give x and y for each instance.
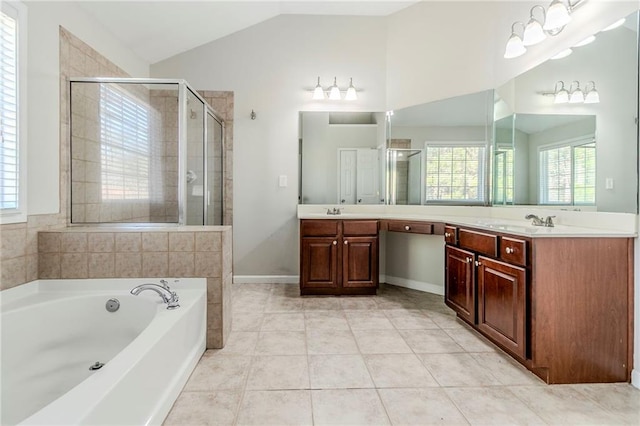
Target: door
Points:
(360, 262)
(368, 189)
(319, 265)
(502, 304)
(459, 290)
(347, 176)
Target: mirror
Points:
(450, 139)
(579, 155)
(342, 157)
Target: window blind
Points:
(125, 145)
(568, 174)
(9, 155)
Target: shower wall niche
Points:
(144, 151)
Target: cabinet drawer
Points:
(410, 227)
(451, 235)
(319, 228)
(513, 250)
(478, 241)
(360, 227)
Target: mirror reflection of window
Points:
(568, 173)
(455, 172)
(503, 175)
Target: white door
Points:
(368, 190)
(347, 176)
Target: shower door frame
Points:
(183, 86)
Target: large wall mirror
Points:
(342, 158)
(576, 155)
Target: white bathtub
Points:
(54, 330)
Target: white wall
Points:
(43, 87)
(269, 67)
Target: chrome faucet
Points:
(333, 211)
(169, 297)
(537, 221)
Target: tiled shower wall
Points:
(19, 243)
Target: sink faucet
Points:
(333, 211)
(537, 221)
(169, 297)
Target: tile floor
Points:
(398, 358)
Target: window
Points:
(455, 172)
(503, 186)
(12, 117)
(125, 145)
(568, 173)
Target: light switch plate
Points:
(282, 181)
(608, 183)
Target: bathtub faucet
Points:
(169, 297)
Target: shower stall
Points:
(144, 151)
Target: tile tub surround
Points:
(162, 252)
(310, 363)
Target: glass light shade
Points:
(334, 91)
(576, 96)
(318, 92)
(586, 41)
(351, 92)
(592, 97)
(515, 47)
(533, 33)
(616, 24)
(557, 16)
(562, 54)
(561, 97)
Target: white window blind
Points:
(455, 173)
(9, 154)
(125, 145)
(568, 173)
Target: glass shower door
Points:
(215, 184)
(195, 175)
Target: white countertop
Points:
(606, 225)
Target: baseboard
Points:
(415, 285)
(635, 378)
(266, 279)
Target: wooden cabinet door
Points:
(502, 304)
(459, 290)
(319, 265)
(360, 262)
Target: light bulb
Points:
(318, 92)
(334, 91)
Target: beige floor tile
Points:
(446, 320)
(283, 304)
(338, 372)
(412, 319)
(457, 369)
(293, 321)
(620, 398)
(395, 303)
(348, 407)
(368, 320)
(380, 342)
(217, 371)
(204, 408)
(326, 320)
(505, 369)
(249, 301)
(246, 321)
(430, 341)
(240, 343)
(357, 303)
(429, 406)
(470, 341)
(281, 343)
(287, 407)
(257, 287)
(279, 372)
(329, 303)
(331, 342)
(565, 404)
(398, 371)
(492, 406)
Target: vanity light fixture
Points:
(333, 92)
(560, 96)
(553, 21)
(591, 95)
(576, 96)
(616, 24)
(562, 54)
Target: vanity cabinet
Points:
(561, 306)
(338, 256)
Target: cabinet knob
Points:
(509, 250)
(335, 243)
(407, 228)
(447, 234)
(478, 263)
(346, 242)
